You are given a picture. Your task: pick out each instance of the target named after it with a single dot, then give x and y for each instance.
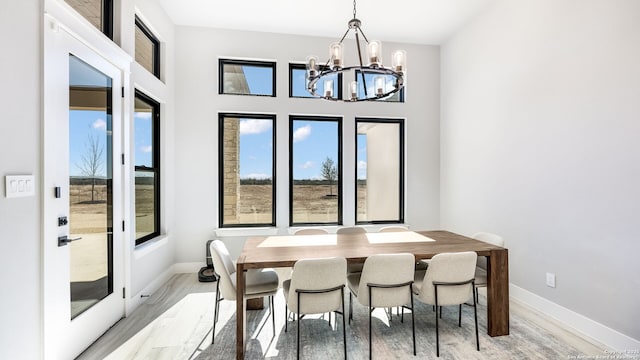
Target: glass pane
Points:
(145, 190)
(247, 79)
(146, 126)
(91, 10)
(379, 166)
(315, 171)
(145, 50)
(247, 171)
(90, 185)
(389, 85)
(298, 78)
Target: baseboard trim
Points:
(581, 325)
(134, 301)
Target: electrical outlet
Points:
(551, 280)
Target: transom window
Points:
(98, 12)
(380, 170)
(246, 170)
(147, 48)
(315, 170)
(298, 82)
(245, 77)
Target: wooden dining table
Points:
(284, 251)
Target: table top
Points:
(283, 251)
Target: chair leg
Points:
(286, 316)
(298, 334)
(370, 310)
(273, 314)
(215, 312)
(437, 335)
(344, 329)
(460, 315)
(413, 323)
(350, 308)
(475, 318)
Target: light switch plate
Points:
(19, 185)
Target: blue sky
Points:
(82, 124)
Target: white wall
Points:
(20, 218)
(198, 104)
(539, 133)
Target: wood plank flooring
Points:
(176, 321)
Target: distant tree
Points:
(91, 163)
(329, 172)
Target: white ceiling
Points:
(411, 21)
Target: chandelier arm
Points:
(364, 82)
(363, 35)
(344, 36)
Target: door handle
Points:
(64, 240)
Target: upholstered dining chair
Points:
(316, 286)
(385, 282)
(352, 230)
(449, 280)
(310, 231)
(481, 267)
(259, 282)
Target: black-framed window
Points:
(147, 48)
(246, 169)
(315, 170)
(379, 170)
(369, 81)
(98, 12)
(247, 77)
(298, 82)
(146, 119)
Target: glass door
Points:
(90, 185)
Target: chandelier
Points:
(386, 81)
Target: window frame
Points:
(107, 17)
(156, 45)
(156, 167)
(256, 63)
(325, 118)
(221, 117)
(401, 179)
(298, 66)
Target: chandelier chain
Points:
(354, 9)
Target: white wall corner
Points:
(581, 325)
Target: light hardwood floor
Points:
(176, 321)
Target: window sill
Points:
(150, 246)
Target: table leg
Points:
(498, 293)
(240, 311)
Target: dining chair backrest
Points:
(449, 268)
(386, 269)
(490, 238)
(310, 231)
(224, 267)
(351, 230)
(317, 274)
(393, 228)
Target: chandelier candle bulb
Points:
(311, 65)
(379, 81)
(335, 52)
(374, 48)
(399, 61)
(354, 90)
(328, 88)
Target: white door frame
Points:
(63, 338)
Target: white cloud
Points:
(251, 157)
(99, 124)
(146, 149)
(362, 165)
(254, 126)
(308, 165)
(255, 176)
(142, 115)
(301, 133)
